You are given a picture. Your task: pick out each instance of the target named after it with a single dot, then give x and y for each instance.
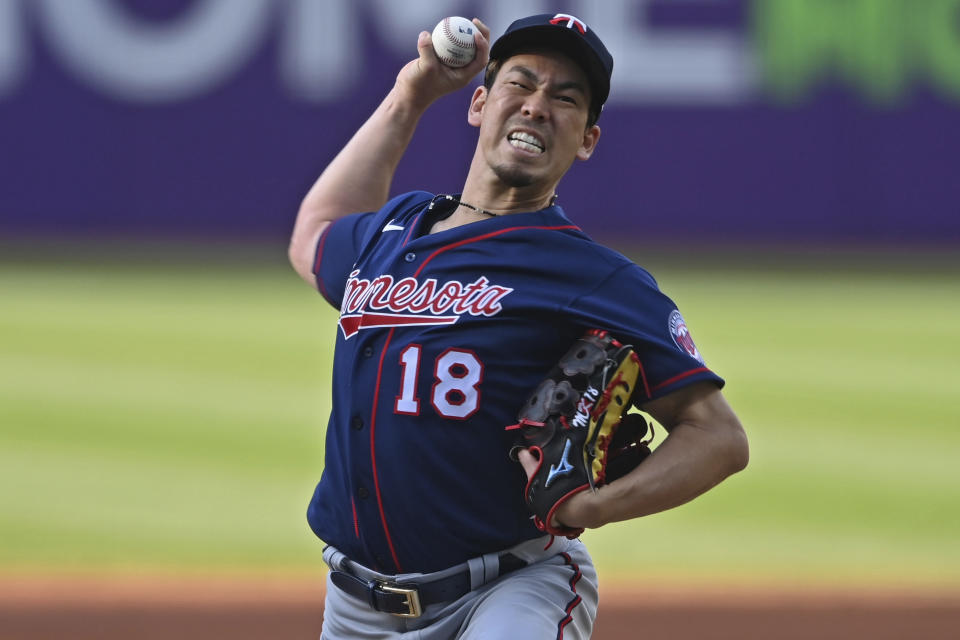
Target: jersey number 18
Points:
(457, 374)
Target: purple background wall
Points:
(233, 157)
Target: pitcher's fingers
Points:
(528, 461)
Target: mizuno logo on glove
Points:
(561, 469)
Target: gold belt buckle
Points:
(412, 601)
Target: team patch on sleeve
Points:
(681, 336)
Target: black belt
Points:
(408, 599)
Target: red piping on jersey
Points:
(484, 237)
(373, 453)
(316, 261)
(413, 225)
(356, 520)
(576, 596)
(680, 377)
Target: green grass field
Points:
(166, 414)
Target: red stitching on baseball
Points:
(449, 33)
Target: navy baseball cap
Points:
(567, 34)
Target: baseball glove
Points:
(574, 425)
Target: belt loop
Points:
(333, 558)
(491, 566)
(372, 595)
(483, 569)
(477, 571)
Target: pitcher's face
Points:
(533, 120)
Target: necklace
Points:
(553, 201)
(477, 209)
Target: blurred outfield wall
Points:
(730, 120)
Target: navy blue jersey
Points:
(441, 338)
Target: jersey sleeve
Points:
(344, 239)
(337, 251)
(631, 306)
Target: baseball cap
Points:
(567, 34)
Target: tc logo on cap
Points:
(572, 21)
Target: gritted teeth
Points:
(526, 141)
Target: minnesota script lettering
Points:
(383, 302)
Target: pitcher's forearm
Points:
(690, 462)
(359, 177)
(705, 445)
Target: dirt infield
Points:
(241, 608)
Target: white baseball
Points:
(453, 41)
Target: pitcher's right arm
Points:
(359, 177)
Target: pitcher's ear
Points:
(590, 138)
(475, 113)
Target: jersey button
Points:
(356, 423)
(367, 352)
(410, 257)
(363, 493)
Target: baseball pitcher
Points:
(490, 360)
